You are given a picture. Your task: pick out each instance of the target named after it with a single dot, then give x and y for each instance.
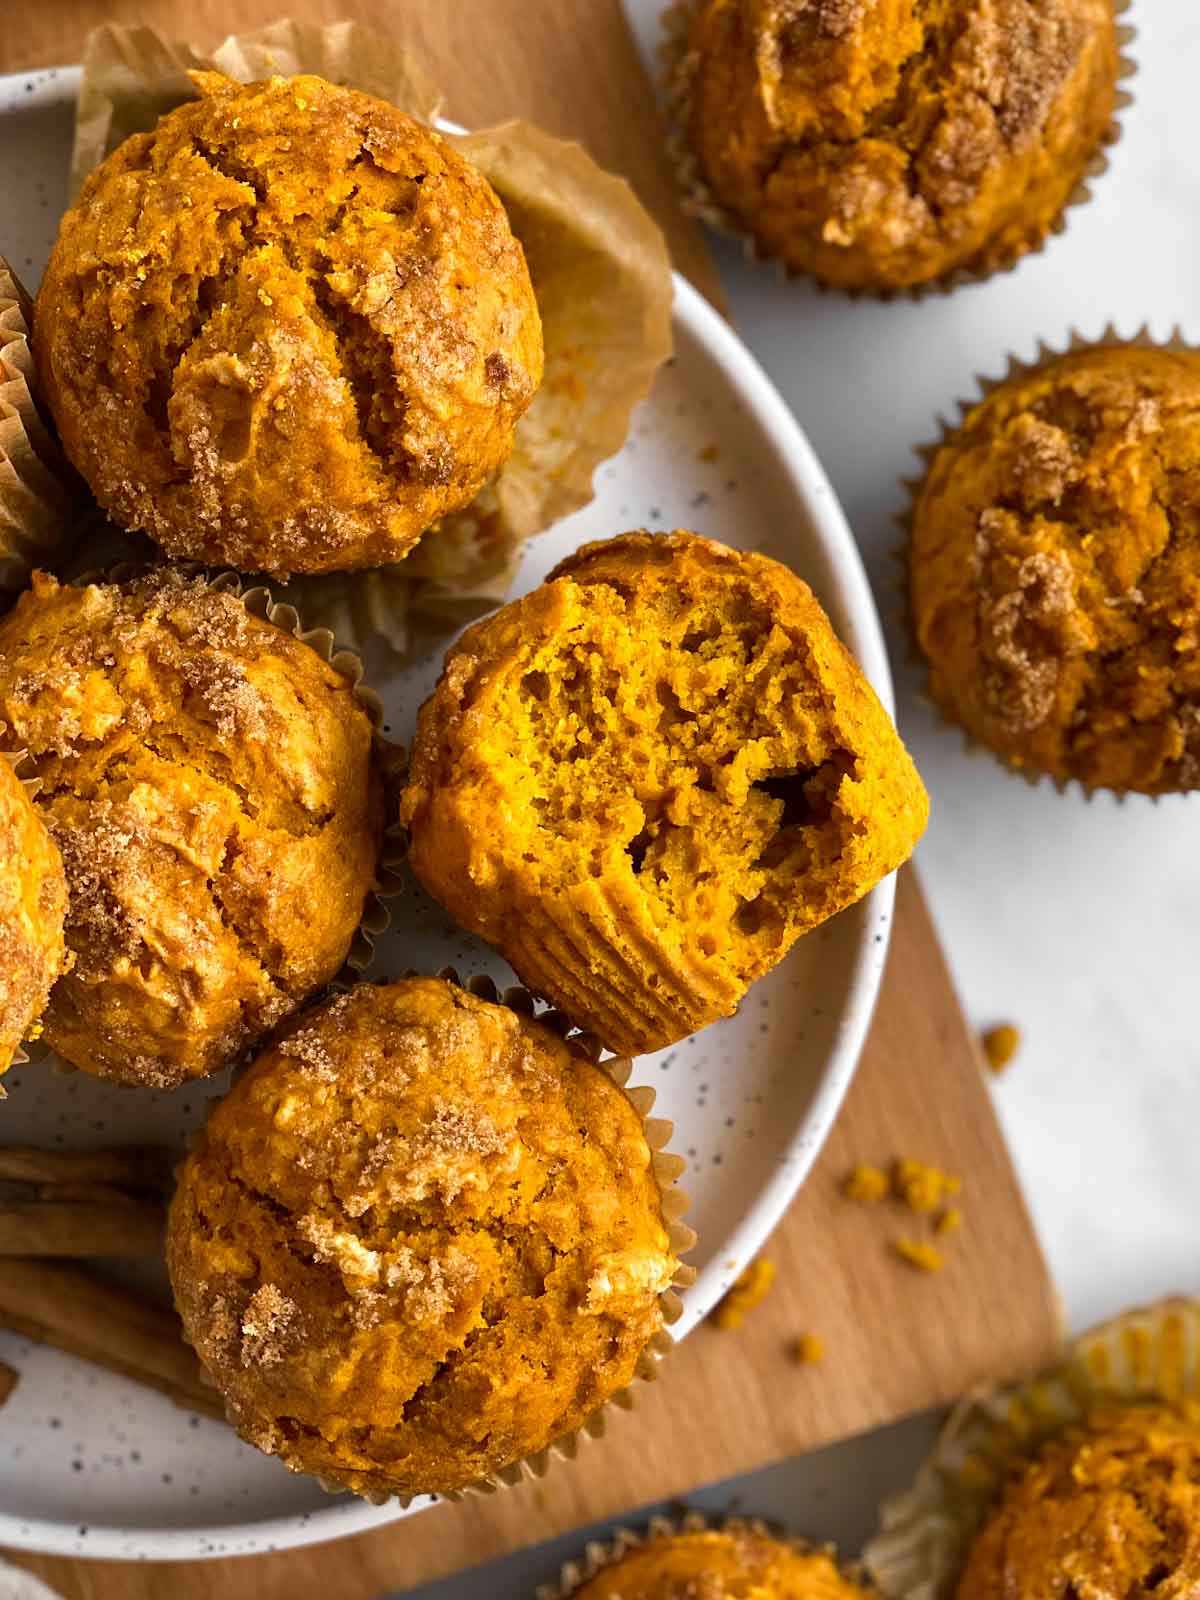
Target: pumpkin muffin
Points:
(210, 782)
(1082, 1478)
(1054, 578)
(644, 780)
(420, 1240)
(1110, 1510)
(885, 144)
(33, 902)
(287, 330)
(739, 1561)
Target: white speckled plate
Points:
(93, 1465)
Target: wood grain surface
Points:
(896, 1340)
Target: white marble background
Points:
(1081, 922)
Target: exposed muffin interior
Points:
(691, 772)
(210, 783)
(704, 794)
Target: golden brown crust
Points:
(643, 781)
(210, 783)
(731, 1563)
(287, 330)
(33, 903)
(1110, 1510)
(882, 144)
(420, 1240)
(1055, 572)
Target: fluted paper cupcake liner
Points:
(601, 1554)
(600, 271)
(390, 757)
(675, 1203)
(1017, 369)
(1147, 1355)
(679, 63)
(40, 494)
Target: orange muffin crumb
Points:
(922, 1187)
(753, 1285)
(808, 1350)
(1000, 1045)
(691, 770)
(925, 1257)
(867, 1184)
(950, 1221)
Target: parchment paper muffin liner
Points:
(600, 1554)
(679, 66)
(39, 491)
(390, 757)
(600, 271)
(675, 1203)
(1145, 1355)
(1017, 368)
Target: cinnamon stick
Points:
(142, 1167)
(69, 1309)
(111, 1225)
(82, 1203)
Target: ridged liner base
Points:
(679, 63)
(1017, 369)
(675, 1203)
(1146, 1355)
(390, 757)
(598, 1555)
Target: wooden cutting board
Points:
(897, 1340)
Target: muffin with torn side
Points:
(423, 1238)
(211, 783)
(287, 330)
(647, 778)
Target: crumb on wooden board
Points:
(808, 1350)
(751, 1287)
(1000, 1046)
(918, 1253)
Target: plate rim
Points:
(863, 634)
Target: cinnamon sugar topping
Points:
(1044, 462)
(270, 1327)
(307, 1046)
